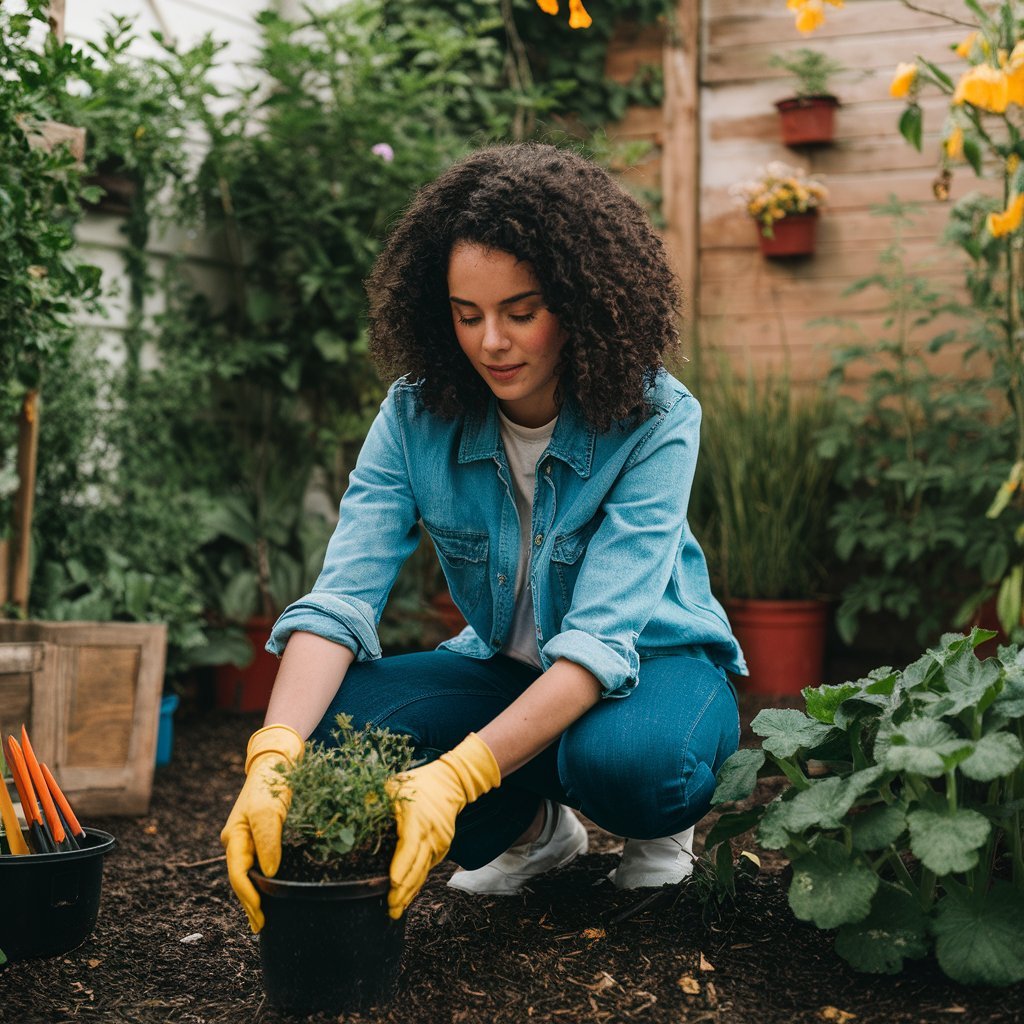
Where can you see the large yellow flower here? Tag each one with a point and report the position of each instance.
(1000, 224)
(906, 75)
(985, 87)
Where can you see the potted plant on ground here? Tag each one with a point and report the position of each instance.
(760, 510)
(808, 117)
(328, 943)
(784, 203)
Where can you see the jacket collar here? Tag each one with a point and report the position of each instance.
(572, 441)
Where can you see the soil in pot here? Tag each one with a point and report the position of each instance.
(329, 945)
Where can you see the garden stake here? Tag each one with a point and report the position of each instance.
(39, 783)
(37, 830)
(67, 816)
(15, 840)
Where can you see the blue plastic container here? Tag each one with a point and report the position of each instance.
(165, 734)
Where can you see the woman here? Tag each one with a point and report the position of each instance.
(537, 438)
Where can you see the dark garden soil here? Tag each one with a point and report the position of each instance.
(172, 945)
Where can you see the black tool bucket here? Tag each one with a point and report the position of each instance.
(50, 900)
(328, 946)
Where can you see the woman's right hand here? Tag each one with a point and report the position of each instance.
(253, 828)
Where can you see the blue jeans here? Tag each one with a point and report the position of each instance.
(642, 766)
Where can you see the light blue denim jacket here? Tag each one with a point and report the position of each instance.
(617, 575)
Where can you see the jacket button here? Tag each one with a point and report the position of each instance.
(502, 579)
(539, 539)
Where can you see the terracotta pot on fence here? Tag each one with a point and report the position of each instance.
(794, 235)
(248, 688)
(807, 120)
(783, 641)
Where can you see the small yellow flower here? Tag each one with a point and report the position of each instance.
(370, 799)
(578, 17)
(966, 45)
(905, 77)
(810, 14)
(1012, 163)
(954, 144)
(985, 87)
(1000, 224)
(548, 6)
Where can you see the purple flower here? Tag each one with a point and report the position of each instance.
(384, 151)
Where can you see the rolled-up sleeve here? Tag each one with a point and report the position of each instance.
(631, 556)
(377, 530)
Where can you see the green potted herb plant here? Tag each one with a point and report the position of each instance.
(760, 510)
(808, 117)
(912, 840)
(328, 942)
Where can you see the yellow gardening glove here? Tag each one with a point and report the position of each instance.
(254, 825)
(427, 801)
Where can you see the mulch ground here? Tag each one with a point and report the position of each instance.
(172, 945)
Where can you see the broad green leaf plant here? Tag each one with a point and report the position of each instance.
(903, 821)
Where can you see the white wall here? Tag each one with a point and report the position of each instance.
(185, 22)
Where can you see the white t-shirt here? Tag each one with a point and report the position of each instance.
(523, 447)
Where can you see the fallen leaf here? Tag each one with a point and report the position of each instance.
(604, 981)
(689, 984)
(94, 962)
(705, 964)
(833, 1013)
(194, 937)
(711, 995)
(742, 945)
(753, 857)
(594, 933)
(150, 830)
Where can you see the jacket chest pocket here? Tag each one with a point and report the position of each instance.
(567, 559)
(463, 557)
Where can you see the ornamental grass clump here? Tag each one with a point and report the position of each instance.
(779, 191)
(341, 821)
(912, 839)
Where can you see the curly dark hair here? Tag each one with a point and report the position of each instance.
(602, 269)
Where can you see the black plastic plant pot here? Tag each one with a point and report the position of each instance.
(50, 901)
(328, 946)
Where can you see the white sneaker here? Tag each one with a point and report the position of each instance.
(562, 839)
(654, 862)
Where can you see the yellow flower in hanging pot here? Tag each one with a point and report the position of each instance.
(985, 87)
(903, 80)
(1000, 224)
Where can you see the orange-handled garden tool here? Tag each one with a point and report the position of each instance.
(67, 816)
(60, 838)
(36, 826)
(15, 840)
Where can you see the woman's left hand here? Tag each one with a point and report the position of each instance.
(427, 801)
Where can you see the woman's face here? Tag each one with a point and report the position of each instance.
(512, 339)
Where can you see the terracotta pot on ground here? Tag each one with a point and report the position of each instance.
(783, 641)
(248, 688)
(807, 120)
(794, 235)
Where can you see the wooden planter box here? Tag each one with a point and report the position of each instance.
(89, 694)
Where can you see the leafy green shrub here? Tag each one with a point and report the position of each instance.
(913, 837)
(919, 454)
(341, 822)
